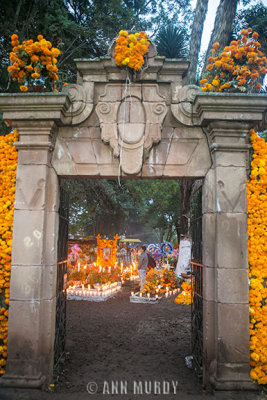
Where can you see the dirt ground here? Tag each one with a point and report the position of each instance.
(130, 345)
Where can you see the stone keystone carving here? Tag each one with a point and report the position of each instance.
(182, 104)
(131, 120)
(81, 98)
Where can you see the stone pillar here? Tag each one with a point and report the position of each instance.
(31, 324)
(226, 314)
(226, 119)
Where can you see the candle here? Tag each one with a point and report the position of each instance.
(132, 293)
(79, 265)
(148, 295)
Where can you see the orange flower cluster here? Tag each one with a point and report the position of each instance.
(31, 61)
(160, 281)
(257, 252)
(130, 49)
(8, 168)
(240, 66)
(185, 297)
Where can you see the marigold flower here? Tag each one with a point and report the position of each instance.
(23, 88)
(255, 35)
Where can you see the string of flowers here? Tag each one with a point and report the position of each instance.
(33, 62)
(8, 169)
(130, 49)
(257, 253)
(240, 66)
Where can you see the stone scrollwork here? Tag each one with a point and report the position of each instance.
(131, 122)
(81, 98)
(182, 107)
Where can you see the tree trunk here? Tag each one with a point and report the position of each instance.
(186, 191)
(223, 26)
(195, 42)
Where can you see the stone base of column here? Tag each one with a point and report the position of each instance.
(36, 382)
(234, 385)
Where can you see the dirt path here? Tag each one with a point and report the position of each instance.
(121, 341)
(117, 341)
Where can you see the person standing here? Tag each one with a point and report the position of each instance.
(142, 267)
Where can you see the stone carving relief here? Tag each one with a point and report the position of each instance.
(81, 102)
(131, 120)
(182, 104)
(32, 198)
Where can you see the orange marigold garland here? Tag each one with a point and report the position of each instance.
(240, 66)
(257, 253)
(33, 62)
(8, 169)
(130, 49)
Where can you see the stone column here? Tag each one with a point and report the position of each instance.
(225, 256)
(31, 325)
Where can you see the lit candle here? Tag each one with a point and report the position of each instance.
(79, 265)
(148, 295)
(132, 293)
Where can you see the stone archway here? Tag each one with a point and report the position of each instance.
(174, 131)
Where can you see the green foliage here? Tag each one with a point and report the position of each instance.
(79, 28)
(147, 209)
(172, 42)
(254, 17)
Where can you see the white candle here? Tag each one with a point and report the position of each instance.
(79, 265)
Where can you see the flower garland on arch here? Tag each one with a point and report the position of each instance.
(130, 49)
(33, 62)
(239, 67)
(257, 253)
(8, 170)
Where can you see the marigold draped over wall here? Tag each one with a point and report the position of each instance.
(8, 170)
(257, 253)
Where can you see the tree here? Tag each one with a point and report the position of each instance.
(223, 25)
(254, 17)
(195, 41)
(80, 28)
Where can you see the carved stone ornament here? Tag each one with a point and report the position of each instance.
(182, 104)
(131, 119)
(81, 98)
